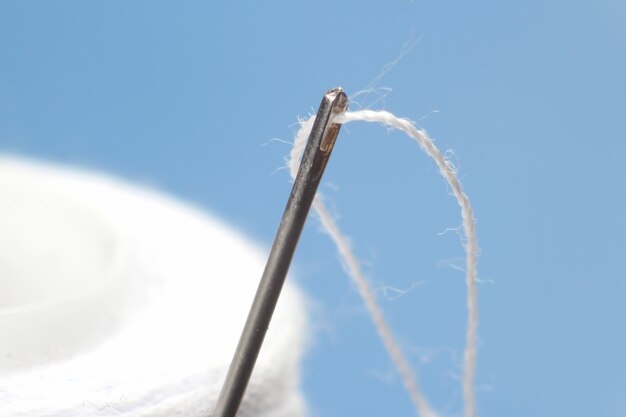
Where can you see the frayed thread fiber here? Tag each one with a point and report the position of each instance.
(447, 170)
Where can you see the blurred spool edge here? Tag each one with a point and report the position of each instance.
(62, 271)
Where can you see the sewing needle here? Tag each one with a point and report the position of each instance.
(316, 154)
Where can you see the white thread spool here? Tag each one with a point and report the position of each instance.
(60, 284)
(117, 301)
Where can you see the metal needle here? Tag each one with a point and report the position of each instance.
(314, 160)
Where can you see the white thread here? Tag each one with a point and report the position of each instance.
(448, 172)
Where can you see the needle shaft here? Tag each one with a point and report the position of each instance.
(314, 160)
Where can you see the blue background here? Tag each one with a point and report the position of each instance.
(187, 97)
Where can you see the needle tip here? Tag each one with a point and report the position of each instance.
(338, 98)
(338, 102)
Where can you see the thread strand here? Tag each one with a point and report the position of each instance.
(447, 170)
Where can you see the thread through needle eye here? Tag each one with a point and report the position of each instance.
(316, 154)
